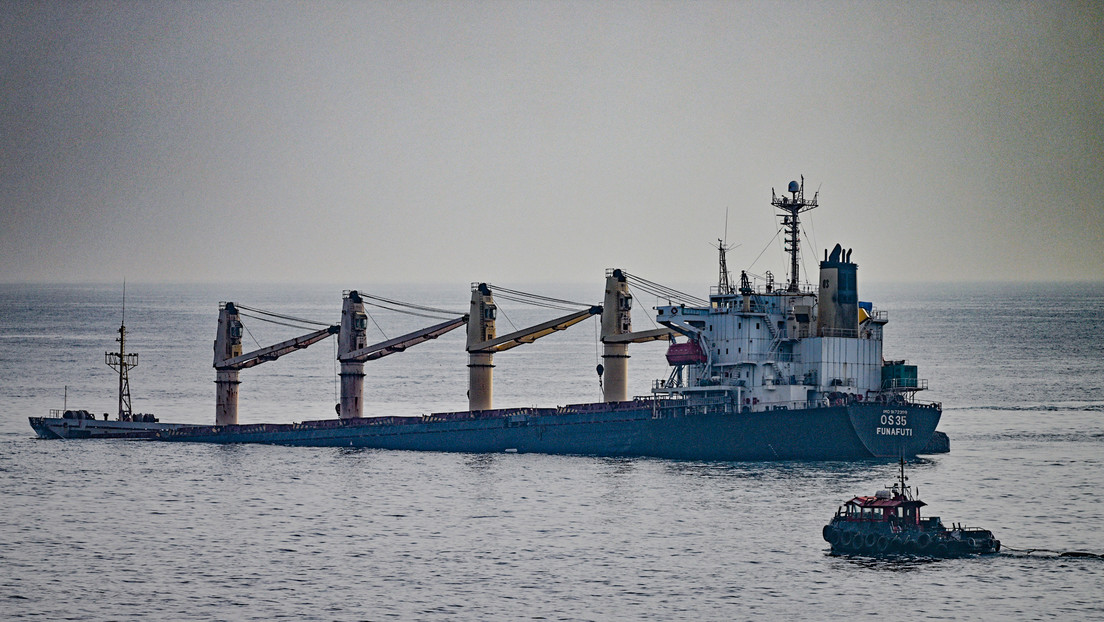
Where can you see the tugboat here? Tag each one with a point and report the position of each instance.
(889, 523)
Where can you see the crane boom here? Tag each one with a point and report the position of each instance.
(686, 330)
(531, 334)
(273, 352)
(398, 344)
(643, 336)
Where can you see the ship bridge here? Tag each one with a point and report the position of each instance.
(788, 346)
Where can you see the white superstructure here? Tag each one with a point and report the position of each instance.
(786, 347)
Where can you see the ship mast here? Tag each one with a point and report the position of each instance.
(792, 206)
(122, 363)
(724, 280)
(905, 492)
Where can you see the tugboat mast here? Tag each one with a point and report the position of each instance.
(122, 362)
(792, 206)
(905, 492)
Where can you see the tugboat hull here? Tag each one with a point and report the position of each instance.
(949, 543)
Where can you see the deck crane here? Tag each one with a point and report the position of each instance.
(353, 353)
(483, 344)
(617, 334)
(229, 360)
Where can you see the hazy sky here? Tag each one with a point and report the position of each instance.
(527, 142)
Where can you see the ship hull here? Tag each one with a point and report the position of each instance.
(60, 428)
(636, 428)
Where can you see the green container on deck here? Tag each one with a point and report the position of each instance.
(897, 374)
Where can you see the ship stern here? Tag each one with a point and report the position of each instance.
(895, 430)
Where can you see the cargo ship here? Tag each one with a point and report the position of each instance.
(759, 371)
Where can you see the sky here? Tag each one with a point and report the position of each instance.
(537, 142)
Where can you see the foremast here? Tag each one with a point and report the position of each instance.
(122, 363)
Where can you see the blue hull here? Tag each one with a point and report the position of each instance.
(639, 428)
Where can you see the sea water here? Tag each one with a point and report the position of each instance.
(105, 530)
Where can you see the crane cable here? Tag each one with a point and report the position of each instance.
(503, 312)
(376, 323)
(264, 319)
(535, 299)
(598, 361)
(663, 291)
(251, 335)
(528, 301)
(408, 305)
(290, 318)
(648, 315)
(408, 312)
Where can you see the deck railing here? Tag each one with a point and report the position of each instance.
(905, 384)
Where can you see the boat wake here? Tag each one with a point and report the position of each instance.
(1056, 407)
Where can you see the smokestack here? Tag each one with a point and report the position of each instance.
(838, 299)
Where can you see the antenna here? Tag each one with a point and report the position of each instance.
(726, 227)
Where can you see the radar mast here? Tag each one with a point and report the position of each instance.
(724, 280)
(122, 363)
(792, 206)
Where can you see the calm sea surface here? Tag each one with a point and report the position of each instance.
(98, 530)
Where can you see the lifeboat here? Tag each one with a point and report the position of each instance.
(687, 353)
